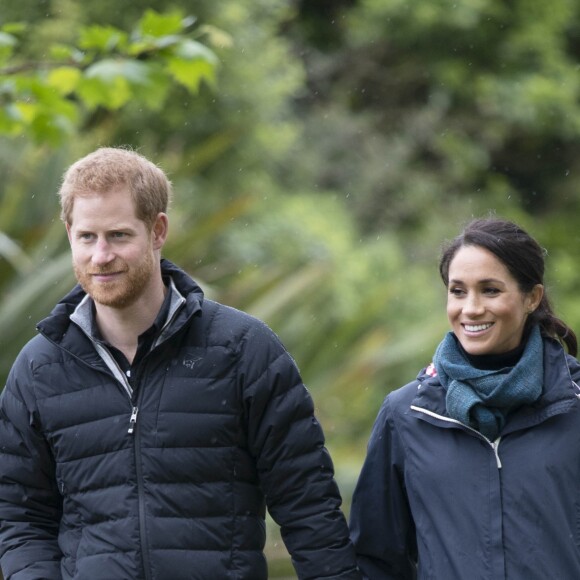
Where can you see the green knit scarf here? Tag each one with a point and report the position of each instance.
(482, 399)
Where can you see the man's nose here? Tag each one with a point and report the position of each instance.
(102, 252)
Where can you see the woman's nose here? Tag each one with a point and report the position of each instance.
(473, 305)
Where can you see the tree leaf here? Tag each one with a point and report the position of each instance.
(155, 24)
(102, 38)
(190, 73)
(110, 92)
(107, 70)
(64, 79)
(193, 50)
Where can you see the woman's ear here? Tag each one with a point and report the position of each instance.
(535, 297)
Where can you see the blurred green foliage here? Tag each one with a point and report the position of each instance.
(320, 152)
(106, 67)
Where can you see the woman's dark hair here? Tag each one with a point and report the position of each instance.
(523, 257)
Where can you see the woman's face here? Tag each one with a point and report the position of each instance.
(486, 309)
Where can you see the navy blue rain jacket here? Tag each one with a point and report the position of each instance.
(438, 501)
(166, 477)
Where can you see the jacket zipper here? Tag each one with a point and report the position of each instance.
(493, 444)
(122, 378)
(135, 432)
(133, 420)
(114, 367)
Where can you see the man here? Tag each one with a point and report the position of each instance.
(144, 430)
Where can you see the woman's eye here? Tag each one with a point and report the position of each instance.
(455, 291)
(492, 291)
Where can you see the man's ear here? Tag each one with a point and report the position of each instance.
(68, 232)
(160, 231)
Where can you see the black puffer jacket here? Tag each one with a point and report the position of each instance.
(223, 427)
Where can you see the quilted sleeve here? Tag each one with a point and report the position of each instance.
(30, 505)
(295, 469)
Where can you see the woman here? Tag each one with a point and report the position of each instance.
(473, 469)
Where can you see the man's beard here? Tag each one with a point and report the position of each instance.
(117, 293)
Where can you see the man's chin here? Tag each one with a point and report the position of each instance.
(116, 304)
(111, 299)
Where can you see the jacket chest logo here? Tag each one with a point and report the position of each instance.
(190, 361)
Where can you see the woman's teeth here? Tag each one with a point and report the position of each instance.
(476, 327)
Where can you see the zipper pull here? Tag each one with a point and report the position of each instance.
(495, 447)
(133, 420)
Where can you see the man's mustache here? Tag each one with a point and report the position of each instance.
(110, 269)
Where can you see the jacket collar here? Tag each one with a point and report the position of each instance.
(187, 300)
(559, 395)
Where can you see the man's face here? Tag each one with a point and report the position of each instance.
(112, 250)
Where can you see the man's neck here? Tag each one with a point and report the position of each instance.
(121, 327)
